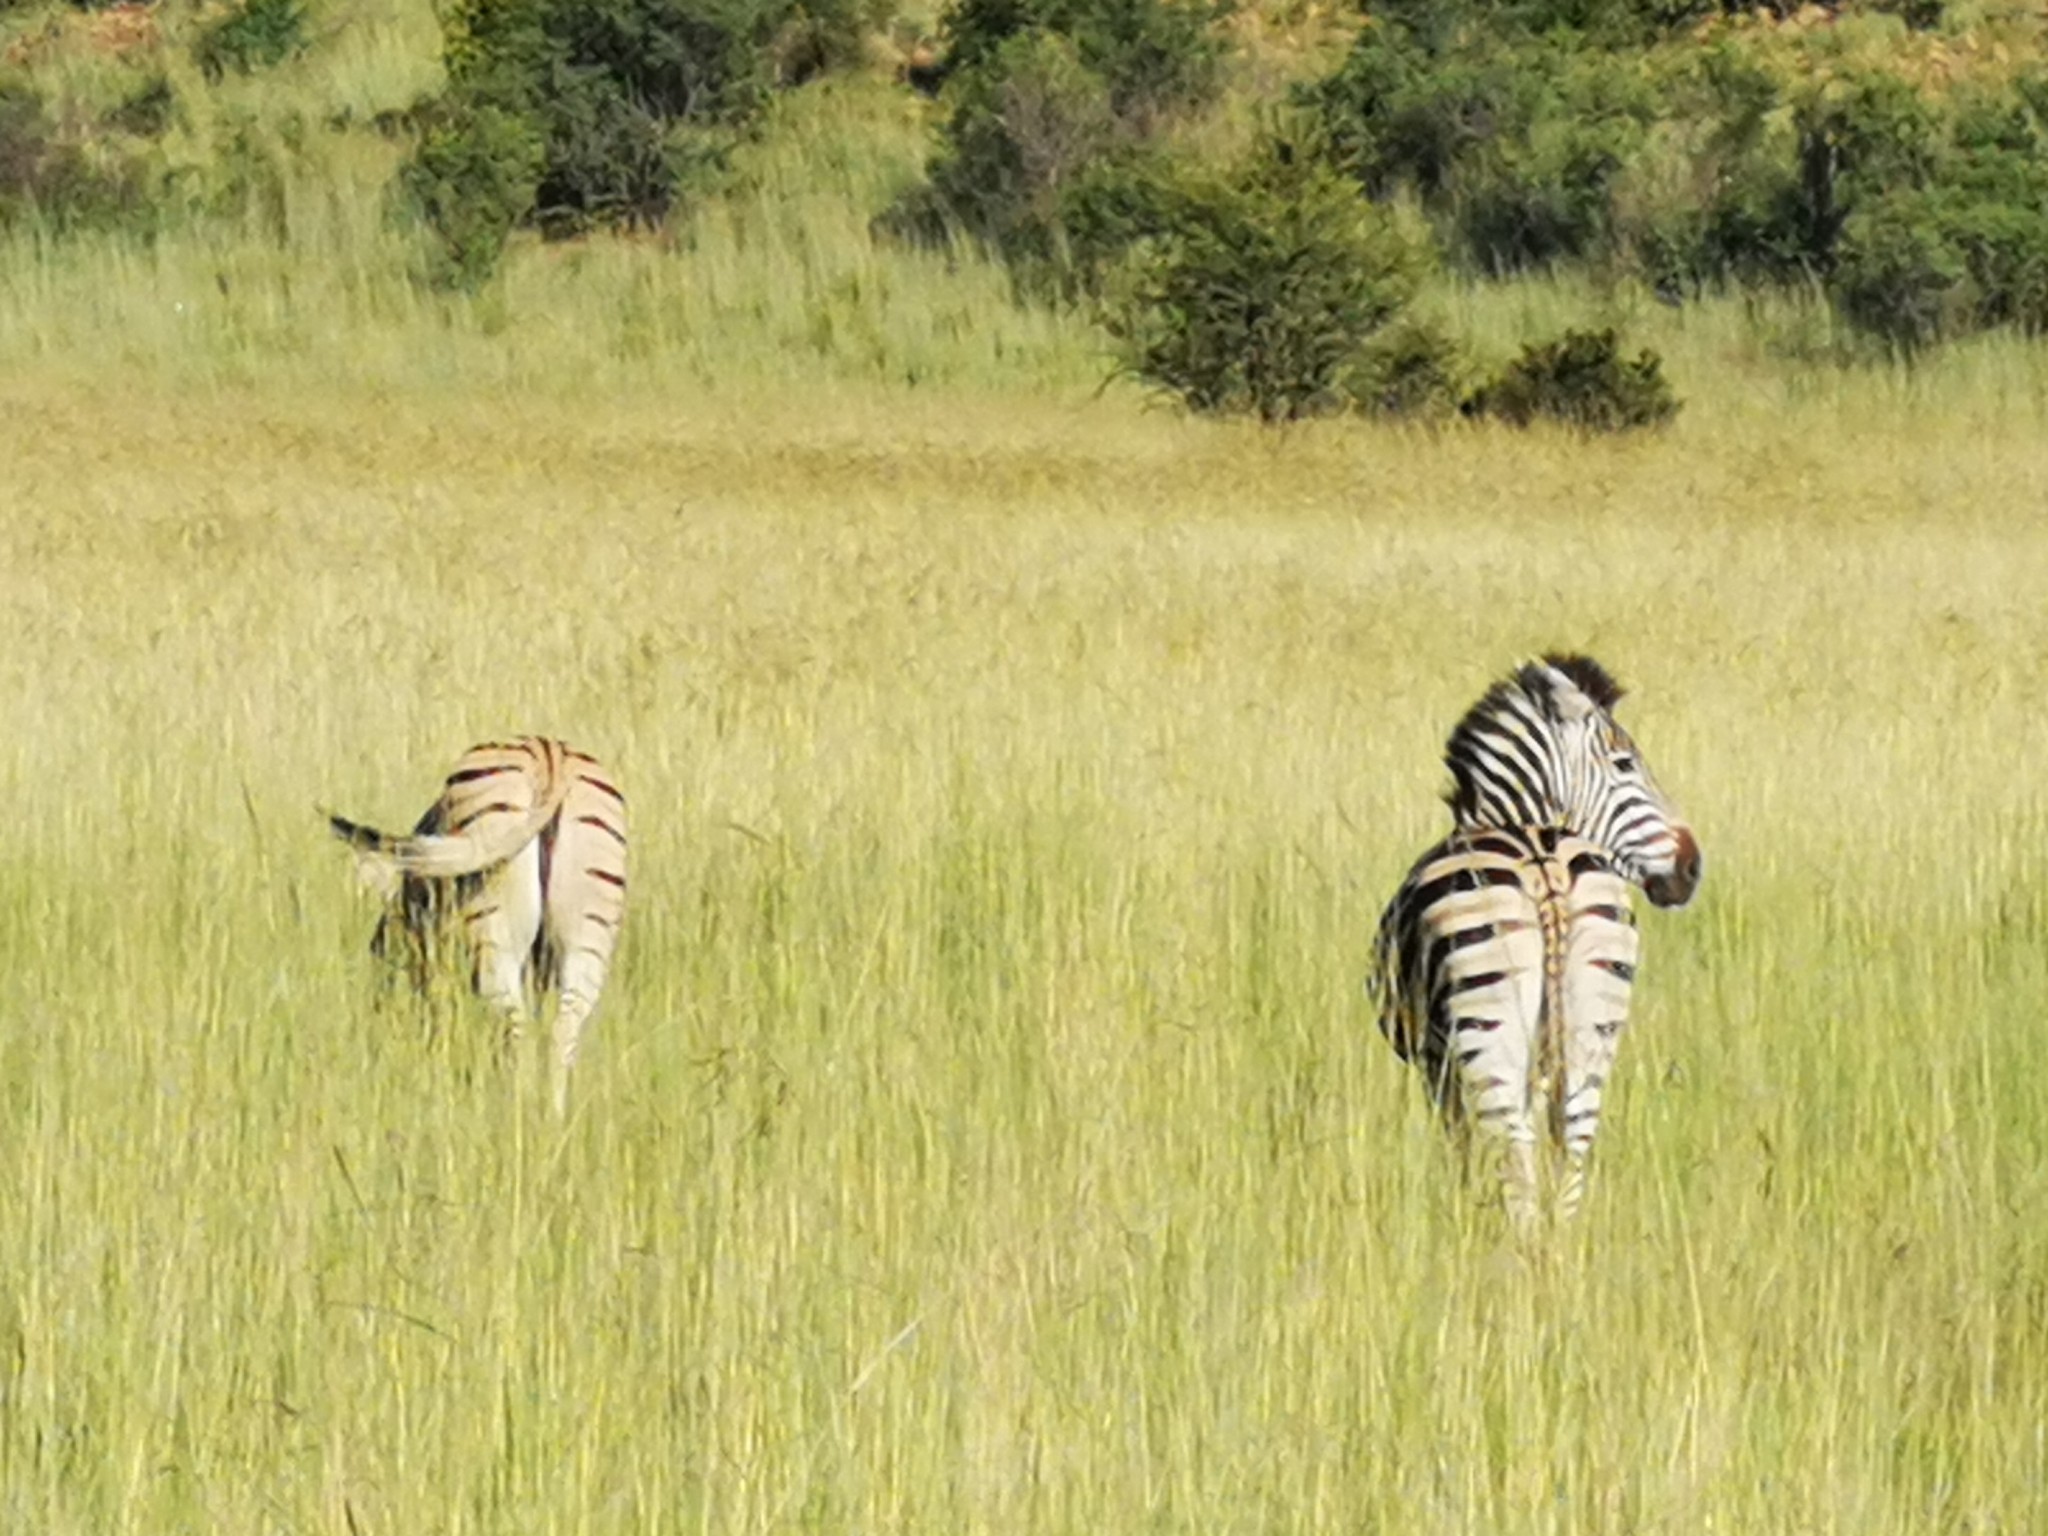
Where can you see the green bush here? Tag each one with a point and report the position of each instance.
(1920, 15)
(472, 179)
(1023, 127)
(246, 178)
(1939, 214)
(252, 35)
(1407, 369)
(819, 36)
(606, 156)
(1715, 194)
(1113, 203)
(1407, 107)
(1900, 276)
(2005, 246)
(147, 112)
(573, 114)
(1920, 266)
(1053, 109)
(1581, 380)
(1153, 56)
(1545, 200)
(1533, 133)
(1512, 142)
(1265, 295)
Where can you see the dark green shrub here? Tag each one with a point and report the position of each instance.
(1900, 276)
(1512, 142)
(1581, 380)
(1051, 106)
(606, 159)
(1406, 107)
(1921, 266)
(24, 139)
(1111, 204)
(1036, 165)
(1408, 369)
(1771, 188)
(819, 36)
(1714, 196)
(472, 180)
(1264, 295)
(253, 35)
(1940, 216)
(1548, 198)
(2005, 247)
(1023, 127)
(1153, 56)
(572, 114)
(1920, 15)
(1861, 135)
(148, 110)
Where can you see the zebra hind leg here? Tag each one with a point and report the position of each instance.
(1522, 1185)
(582, 977)
(503, 916)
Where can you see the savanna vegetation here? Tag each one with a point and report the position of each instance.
(984, 1129)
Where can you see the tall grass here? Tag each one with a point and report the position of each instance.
(769, 281)
(984, 1130)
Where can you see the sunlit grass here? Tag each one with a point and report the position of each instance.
(984, 1130)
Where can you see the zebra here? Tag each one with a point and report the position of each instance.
(521, 863)
(1504, 963)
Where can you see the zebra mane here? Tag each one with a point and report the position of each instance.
(1587, 675)
(1525, 694)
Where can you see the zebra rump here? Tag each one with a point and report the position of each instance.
(519, 868)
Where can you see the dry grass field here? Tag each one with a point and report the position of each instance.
(984, 1130)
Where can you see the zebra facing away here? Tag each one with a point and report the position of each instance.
(1505, 961)
(519, 868)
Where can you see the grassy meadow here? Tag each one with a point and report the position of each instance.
(984, 1130)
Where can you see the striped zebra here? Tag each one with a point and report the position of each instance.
(520, 869)
(1505, 961)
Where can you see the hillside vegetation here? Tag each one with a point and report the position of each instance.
(1167, 192)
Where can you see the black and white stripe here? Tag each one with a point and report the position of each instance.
(1506, 959)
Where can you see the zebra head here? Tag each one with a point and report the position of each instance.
(1543, 749)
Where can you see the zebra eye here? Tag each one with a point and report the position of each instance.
(1624, 762)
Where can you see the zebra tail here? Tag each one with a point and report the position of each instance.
(434, 856)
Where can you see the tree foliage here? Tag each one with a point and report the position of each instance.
(1264, 296)
(573, 114)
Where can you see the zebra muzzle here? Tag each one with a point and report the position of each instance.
(1674, 887)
